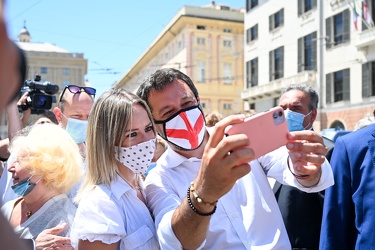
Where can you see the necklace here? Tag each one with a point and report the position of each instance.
(136, 187)
(29, 211)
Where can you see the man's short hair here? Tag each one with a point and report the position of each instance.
(314, 98)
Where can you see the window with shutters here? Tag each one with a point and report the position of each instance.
(201, 71)
(201, 41)
(227, 106)
(276, 63)
(307, 52)
(338, 86)
(338, 29)
(368, 79)
(276, 20)
(251, 4)
(252, 34)
(371, 12)
(227, 73)
(305, 6)
(227, 43)
(66, 71)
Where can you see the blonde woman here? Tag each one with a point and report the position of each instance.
(47, 165)
(112, 213)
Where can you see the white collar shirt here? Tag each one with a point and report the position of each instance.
(247, 217)
(112, 214)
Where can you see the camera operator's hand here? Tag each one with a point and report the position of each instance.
(26, 111)
(22, 101)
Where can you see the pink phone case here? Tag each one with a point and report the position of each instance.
(267, 131)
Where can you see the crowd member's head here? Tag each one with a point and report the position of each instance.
(73, 110)
(178, 117)
(46, 156)
(213, 118)
(47, 117)
(118, 121)
(300, 102)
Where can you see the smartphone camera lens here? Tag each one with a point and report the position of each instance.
(280, 113)
(275, 115)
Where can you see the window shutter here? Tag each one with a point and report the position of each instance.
(329, 37)
(270, 18)
(366, 79)
(300, 54)
(314, 51)
(346, 85)
(346, 25)
(313, 4)
(255, 83)
(248, 36)
(247, 5)
(329, 81)
(281, 17)
(282, 61)
(248, 75)
(300, 6)
(271, 65)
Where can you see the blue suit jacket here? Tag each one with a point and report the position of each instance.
(349, 205)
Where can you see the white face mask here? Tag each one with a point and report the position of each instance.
(137, 157)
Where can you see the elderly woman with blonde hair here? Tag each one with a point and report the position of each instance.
(47, 165)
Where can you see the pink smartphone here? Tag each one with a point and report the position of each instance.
(267, 131)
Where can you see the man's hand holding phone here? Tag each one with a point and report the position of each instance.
(266, 131)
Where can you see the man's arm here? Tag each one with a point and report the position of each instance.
(338, 215)
(218, 172)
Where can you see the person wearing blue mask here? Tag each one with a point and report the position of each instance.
(72, 112)
(300, 102)
(47, 165)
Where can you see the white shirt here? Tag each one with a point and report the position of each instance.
(112, 214)
(247, 217)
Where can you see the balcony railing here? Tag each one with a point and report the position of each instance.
(274, 87)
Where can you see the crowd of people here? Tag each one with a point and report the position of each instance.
(77, 179)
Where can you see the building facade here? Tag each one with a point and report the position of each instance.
(53, 64)
(206, 43)
(316, 42)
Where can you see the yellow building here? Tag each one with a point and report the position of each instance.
(206, 43)
(53, 64)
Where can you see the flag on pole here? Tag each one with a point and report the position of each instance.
(367, 15)
(355, 16)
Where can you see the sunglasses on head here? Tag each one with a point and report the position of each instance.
(77, 89)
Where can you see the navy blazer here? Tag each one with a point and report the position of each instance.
(349, 205)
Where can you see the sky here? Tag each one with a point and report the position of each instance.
(111, 34)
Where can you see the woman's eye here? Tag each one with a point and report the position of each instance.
(133, 134)
(149, 128)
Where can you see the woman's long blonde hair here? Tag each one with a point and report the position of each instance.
(107, 123)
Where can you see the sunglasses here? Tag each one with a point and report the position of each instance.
(77, 89)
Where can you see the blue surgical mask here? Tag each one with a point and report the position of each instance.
(77, 129)
(295, 120)
(24, 187)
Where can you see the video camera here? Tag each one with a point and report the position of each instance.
(41, 95)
